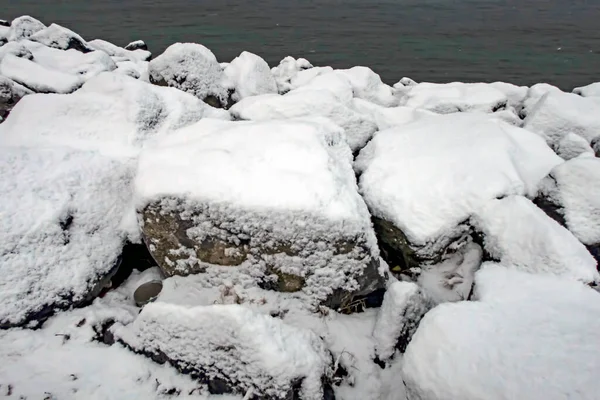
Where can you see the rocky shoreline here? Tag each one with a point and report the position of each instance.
(311, 233)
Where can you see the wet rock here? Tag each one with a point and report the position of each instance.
(136, 45)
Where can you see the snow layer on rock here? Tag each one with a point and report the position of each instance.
(136, 45)
(61, 38)
(515, 94)
(591, 90)
(23, 27)
(229, 342)
(16, 49)
(404, 304)
(429, 176)
(250, 75)
(37, 77)
(404, 82)
(529, 337)
(575, 185)
(119, 52)
(367, 85)
(287, 70)
(307, 103)
(11, 91)
(535, 93)
(573, 145)
(557, 114)
(335, 83)
(112, 113)
(388, 117)
(192, 68)
(446, 98)
(519, 234)
(60, 230)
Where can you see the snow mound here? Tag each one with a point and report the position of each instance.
(234, 346)
(192, 68)
(337, 84)
(280, 195)
(61, 38)
(591, 90)
(428, 177)
(111, 113)
(574, 187)
(572, 145)
(250, 75)
(557, 114)
(287, 71)
(36, 77)
(367, 85)
(60, 235)
(515, 95)
(519, 234)
(520, 341)
(23, 27)
(405, 82)
(388, 117)
(535, 93)
(16, 49)
(307, 103)
(119, 53)
(404, 304)
(446, 98)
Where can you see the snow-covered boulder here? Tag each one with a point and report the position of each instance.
(61, 231)
(192, 68)
(514, 94)
(388, 117)
(367, 85)
(534, 94)
(16, 49)
(557, 114)
(136, 45)
(119, 53)
(36, 77)
(446, 98)
(405, 82)
(337, 84)
(111, 113)
(591, 90)
(358, 128)
(278, 197)
(572, 145)
(232, 349)
(10, 93)
(249, 75)
(528, 337)
(423, 181)
(404, 304)
(287, 71)
(61, 38)
(23, 27)
(519, 234)
(571, 195)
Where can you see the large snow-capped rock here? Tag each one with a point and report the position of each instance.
(60, 38)
(367, 85)
(232, 349)
(112, 113)
(571, 195)
(37, 77)
(557, 114)
(534, 94)
(249, 75)
(515, 95)
(23, 27)
(17, 49)
(358, 128)
(528, 337)
(519, 234)
(10, 93)
(119, 53)
(591, 90)
(278, 197)
(404, 304)
(192, 68)
(60, 228)
(423, 181)
(388, 117)
(287, 72)
(446, 98)
(337, 84)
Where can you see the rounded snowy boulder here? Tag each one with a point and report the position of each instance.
(277, 197)
(60, 38)
(23, 27)
(192, 68)
(249, 75)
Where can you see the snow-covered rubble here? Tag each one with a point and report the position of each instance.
(308, 232)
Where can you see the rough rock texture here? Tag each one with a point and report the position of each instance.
(60, 38)
(232, 349)
(571, 196)
(287, 208)
(10, 93)
(596, 146)
(192, 68)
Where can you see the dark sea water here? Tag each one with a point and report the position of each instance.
(524, 42)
